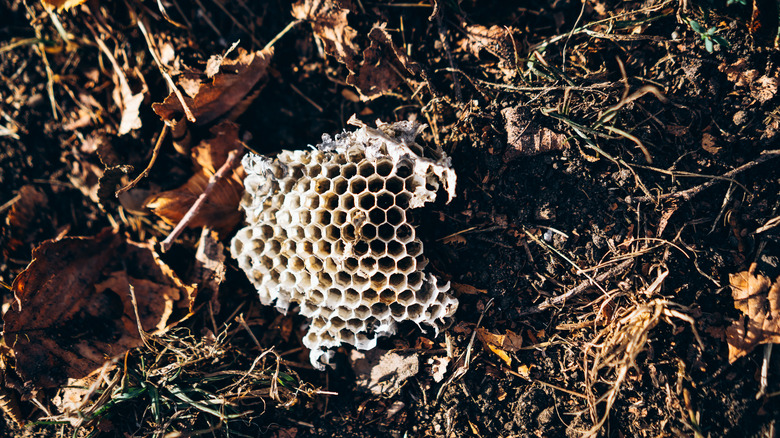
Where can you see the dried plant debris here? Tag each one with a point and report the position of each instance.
(218, 96)
(220, 210)
(83, 300)
(375, 64)
(758, 298)
(382, 372)
(328, 229)
(525, 137)
(22, 218)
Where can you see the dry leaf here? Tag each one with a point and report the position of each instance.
(526, 137)
(764, 89)
(233, 83)
(73, 308)
(467, 289)
(375, 70)
(220, 210)
(209, 270)
(759, 301)
(382, 371)
(501, 344)
(709, 143)
(22, 216)
(61, 5)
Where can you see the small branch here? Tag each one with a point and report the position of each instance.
(233, 160)
(693, 191)
(155, 153)
(550, 302)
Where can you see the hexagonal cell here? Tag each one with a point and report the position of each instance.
(397, 310)
(349, 170)
(332, 233)
(338, 247)
(394, 185)
(347, 201)
(366, 168)
(366, 201)
(361, 248)
(380, 310)
(378, 248)
(333, 296)
(339, 217)
(287, 279)
(354, 155)
(332, 170)
(406, 297)
(285, 185)
(321, 217)
(348, 232)
(384, 167)
(404, 168)
(340, 185)
(376, 216)
(311, 201)
(385, 200)
(322, 186)
(362, 312)
(369, 295)
(316, 297)
(313, 231)
(351, 298)
(355, 324)
(337, 323)
(266, 232)
(344, 313)
(292, 201)
(386, 232)
(404, 233)
(346, 336)
(395, 249)
(314, 170)
(296, 233)
(274, 247)
(325, 279)
(433, 312)
(412, 183)
(375, 183)
(415, 311)
(343, 279)
(351, 265)
(283, 218)
(397, 281)
(415, 282)
(295, 170)
(378, 280)
(331, 201)
(386, 264)
(406, 264)
(368, 231)
(314, 264)
(414, 248)
(322, 248)
(357, 185)
(303, 217)
(368, 264)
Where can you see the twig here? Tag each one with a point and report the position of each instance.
(233, 159)
(155, 153)
(685, 195)
(550, 302)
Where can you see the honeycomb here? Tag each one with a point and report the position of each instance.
(328, 229)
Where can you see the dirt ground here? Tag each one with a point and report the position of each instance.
(618, 181)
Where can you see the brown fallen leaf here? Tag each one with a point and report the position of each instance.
(220, 210)
(75, 306)
(501, 344)
(525, 137)
(212, 99)
(499, 41)
(467, 289)
(61, 5)
(374, 62)
(24, 212)
(759, 301)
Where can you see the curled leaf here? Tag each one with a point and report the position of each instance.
(758, 298)
(81, 302)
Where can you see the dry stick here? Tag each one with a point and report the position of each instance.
(155, 153)
(233, 159)
(693, 191)
(550, 302)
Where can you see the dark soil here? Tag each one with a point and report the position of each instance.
(523, 227)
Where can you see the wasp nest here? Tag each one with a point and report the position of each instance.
(328, 229)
